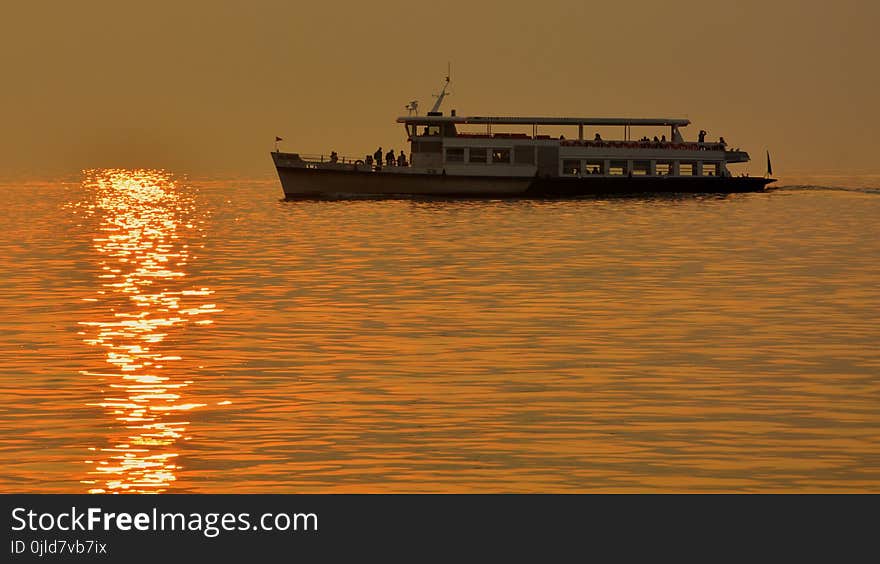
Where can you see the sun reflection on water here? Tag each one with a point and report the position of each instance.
(143, 299)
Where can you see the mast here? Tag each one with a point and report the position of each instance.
(443, 92)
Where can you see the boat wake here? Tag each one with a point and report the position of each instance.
(816, 187)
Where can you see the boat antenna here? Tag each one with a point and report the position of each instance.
(443, 92)
(413, 107)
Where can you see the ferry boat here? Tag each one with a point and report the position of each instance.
(446, 161)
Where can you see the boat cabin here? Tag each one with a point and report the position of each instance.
(437, 143)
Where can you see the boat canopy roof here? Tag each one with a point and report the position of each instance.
(501, 120)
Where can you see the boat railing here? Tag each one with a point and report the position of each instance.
(616, 144)
(683, 146)
(326, 158)
(494, 135)
(346, 162)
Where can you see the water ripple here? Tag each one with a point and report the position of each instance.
(660, 344)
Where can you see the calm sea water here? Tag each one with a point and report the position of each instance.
(160, 334)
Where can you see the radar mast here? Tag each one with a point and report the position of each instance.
(443, 92)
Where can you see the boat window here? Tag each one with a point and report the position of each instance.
(427, 147)
(663, 168)
(641, 168)
(571, 167)
(431, 130)
(686, 169)
(501, 155)
(524, 154)
(710, 169)
(617, 168)
(593, 167)
(455, 155)
(477, 155)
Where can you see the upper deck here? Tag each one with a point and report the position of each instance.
(564, 121)
(436, 133)
(435, 124)
(444, 142)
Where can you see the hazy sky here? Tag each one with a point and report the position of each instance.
(203, 87)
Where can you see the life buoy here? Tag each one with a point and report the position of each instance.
(359, 162)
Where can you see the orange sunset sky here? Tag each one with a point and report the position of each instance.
(203, 87)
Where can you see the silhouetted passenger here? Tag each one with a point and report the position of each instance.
(389, 158)
(702, 136)
(401, 159)
(722, 141)
(597, 137)
(663, 139)
(334, 157)
(377, 156)
(656, 140)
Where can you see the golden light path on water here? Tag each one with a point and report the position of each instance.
(142, 260)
